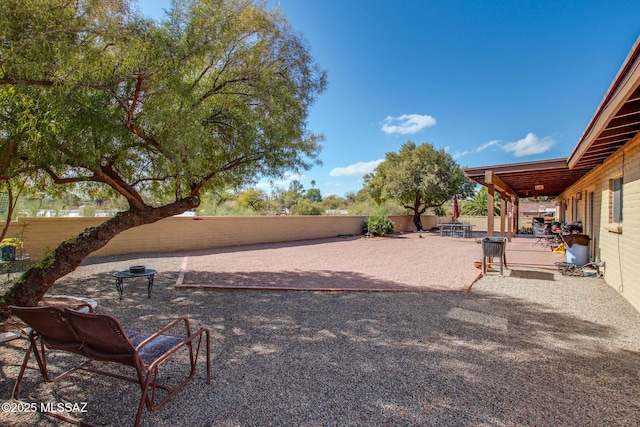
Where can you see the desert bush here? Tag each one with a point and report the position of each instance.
(378, 225)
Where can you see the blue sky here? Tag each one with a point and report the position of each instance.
(491, 82)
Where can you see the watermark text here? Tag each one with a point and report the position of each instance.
(74, 407)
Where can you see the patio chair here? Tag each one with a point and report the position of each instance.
(99, 337)
(543, 235)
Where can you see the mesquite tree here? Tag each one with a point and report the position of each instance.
(94, 95)
(419, 177)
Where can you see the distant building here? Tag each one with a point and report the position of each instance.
(537, 209)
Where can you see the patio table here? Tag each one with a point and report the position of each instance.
(126, 274)
(455, 229)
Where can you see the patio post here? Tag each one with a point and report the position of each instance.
(490, 203)
(509, 219)
(503, 212)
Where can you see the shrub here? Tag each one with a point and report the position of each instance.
(525, 230)
(306, 207)
(378, 225)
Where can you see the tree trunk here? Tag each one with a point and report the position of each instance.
(10, 208)
(416, 219)
(37, 280)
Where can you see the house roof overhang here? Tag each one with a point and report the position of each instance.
(617, 119)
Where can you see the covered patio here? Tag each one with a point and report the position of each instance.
(546, 178)
(524, 252)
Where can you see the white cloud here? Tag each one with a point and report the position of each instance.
(487, 145)
(526, 146)
(478, 149)
(356, 169)
(529, 145)
(407, 124)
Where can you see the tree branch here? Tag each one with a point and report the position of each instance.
(60, 180)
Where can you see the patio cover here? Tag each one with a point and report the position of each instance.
(540, 178)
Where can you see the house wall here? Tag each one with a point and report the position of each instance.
(618, 245)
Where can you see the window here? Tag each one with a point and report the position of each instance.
(617, 200)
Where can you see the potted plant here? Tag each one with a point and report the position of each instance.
(10, 247)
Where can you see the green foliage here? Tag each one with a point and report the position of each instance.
(525, 230)
(418, 177)
(378, 225)
(439, 211)
(98, 97)
(333, 202)
(313, 194)
(478, 204)
(307, 207)
(215, 96)
(47, 260)
(253, 199)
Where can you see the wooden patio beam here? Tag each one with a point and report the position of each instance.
(491, 178)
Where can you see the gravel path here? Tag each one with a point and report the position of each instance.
(530, 348)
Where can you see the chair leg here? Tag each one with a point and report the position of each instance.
(40, 359)
(23, 368)
(209, 355)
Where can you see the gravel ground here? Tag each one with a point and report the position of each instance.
(530, 348)
(397, 263)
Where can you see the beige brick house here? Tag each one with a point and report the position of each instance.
(599, 184)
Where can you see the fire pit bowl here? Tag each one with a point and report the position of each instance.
(137, 269)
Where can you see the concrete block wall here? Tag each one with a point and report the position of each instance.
(188, 233)
(184, 233)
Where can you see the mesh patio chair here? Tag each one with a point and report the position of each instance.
(100, 337)
(543, 234)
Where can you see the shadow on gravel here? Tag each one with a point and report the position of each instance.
(297, 280)
(533, 275)
(294, 358)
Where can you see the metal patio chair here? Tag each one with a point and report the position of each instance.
(100, 337)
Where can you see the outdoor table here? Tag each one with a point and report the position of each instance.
(455, 229)
(126, 274)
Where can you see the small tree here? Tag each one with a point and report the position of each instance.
(253, 199)
(313, 194)
(12, 189)
(306, 207)
(419, 177)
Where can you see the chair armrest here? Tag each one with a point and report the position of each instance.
(85, 304)
(169, 326)
(186, 341)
